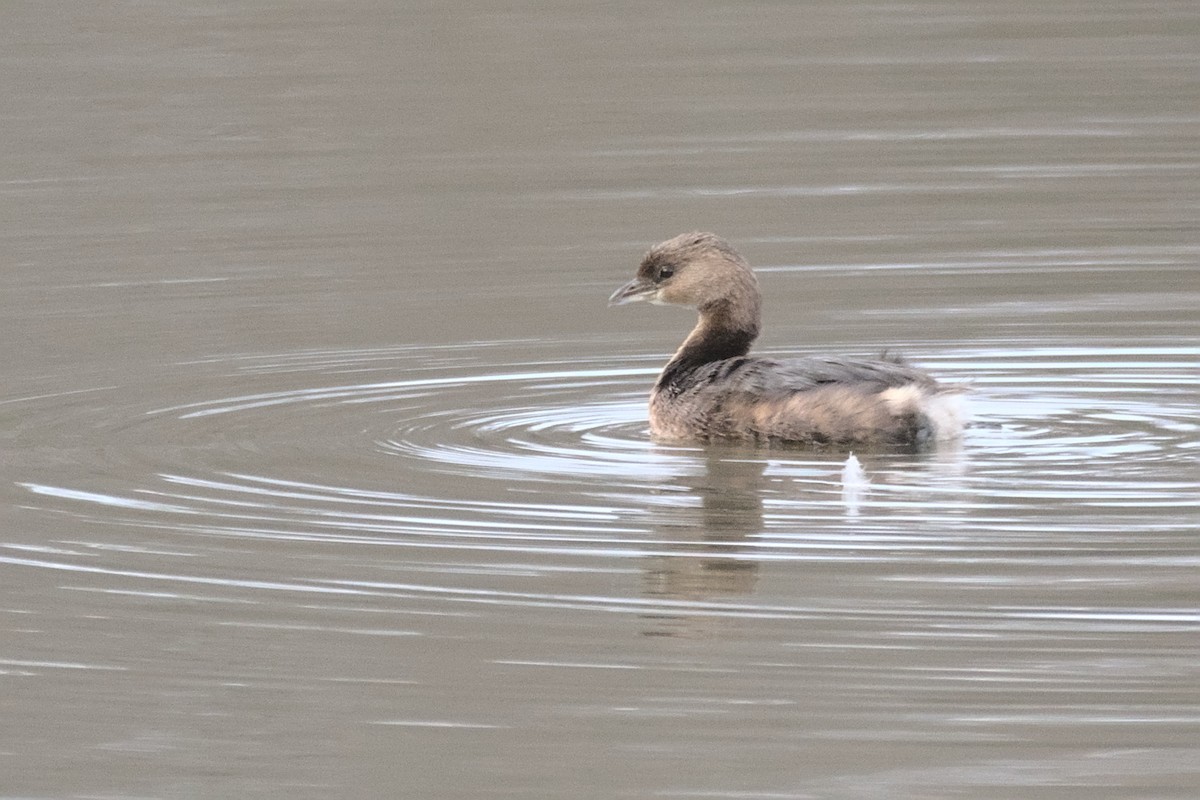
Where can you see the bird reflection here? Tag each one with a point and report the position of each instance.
(709, 559)
(709, 551)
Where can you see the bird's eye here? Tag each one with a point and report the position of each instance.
(665, 273)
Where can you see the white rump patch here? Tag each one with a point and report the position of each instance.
(946, 411)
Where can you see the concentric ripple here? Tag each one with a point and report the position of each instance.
(459, 451)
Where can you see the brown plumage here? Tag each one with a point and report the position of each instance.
(710, 389)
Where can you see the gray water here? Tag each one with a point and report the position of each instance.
(324, 470)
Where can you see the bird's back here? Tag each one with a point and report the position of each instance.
(813, 400)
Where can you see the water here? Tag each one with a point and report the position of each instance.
(324, 469)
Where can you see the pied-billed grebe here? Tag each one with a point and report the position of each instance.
(711, 389)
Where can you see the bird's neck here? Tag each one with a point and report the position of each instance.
(724, 331)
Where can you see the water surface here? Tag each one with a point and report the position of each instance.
(324, 470)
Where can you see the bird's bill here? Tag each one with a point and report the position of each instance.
(637, 289)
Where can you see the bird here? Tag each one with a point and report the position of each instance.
(713, 390)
